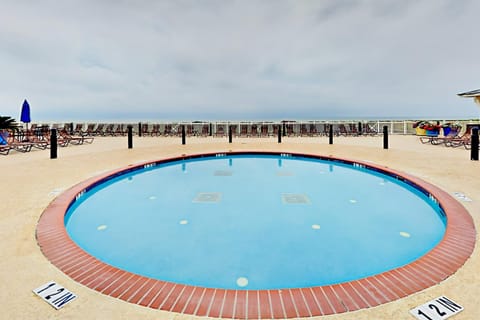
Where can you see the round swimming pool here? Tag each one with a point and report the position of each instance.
(256, 234)
(255, 222)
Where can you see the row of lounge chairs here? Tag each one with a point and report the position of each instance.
(302, 130)
(169, 130)
(219, 129)
(245, 130)
(452, 140)
(100, 129)
(353, 130)
(112, 129)
(25, 141)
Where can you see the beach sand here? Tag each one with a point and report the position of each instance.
(31, 181)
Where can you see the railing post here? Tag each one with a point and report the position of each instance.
(183, 134)
(359, 128)
(385, 137)
(474, 149)
(229, 134)
(130, 136)
(53, 144)
(330, 133)
(279, 134)
(210, 131)
(139, 129)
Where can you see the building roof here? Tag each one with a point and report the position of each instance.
(470, 94)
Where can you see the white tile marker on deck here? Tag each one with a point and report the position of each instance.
(56, 295)
(460, 196)
(437, 309)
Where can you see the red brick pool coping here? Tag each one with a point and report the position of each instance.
(432, 268)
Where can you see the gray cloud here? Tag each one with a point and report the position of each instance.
(238, 59)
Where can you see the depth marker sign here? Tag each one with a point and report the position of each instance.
(56, 295)
(437, 309)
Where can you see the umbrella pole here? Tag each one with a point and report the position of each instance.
(25, 136)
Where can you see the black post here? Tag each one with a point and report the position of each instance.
(130, 137)
(229, 134)
(330, 134)
(284, 131)
(183, 134)
(139, 129)
(71, 127)
(210, 133)
(385, 137)
(359, 128)
(474, 150)
(53, 144)
(279, 134)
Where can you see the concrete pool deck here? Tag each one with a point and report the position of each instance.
(31, 181)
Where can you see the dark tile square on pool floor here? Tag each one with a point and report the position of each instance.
(212, 197)
(294, 198)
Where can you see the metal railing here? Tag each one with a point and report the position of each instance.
(247, 128)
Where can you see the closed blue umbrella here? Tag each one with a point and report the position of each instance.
(25, 116)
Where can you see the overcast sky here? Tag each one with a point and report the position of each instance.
(252, 60)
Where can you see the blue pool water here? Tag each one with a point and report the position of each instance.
(255, 222)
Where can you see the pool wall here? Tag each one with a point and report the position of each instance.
(432, 268)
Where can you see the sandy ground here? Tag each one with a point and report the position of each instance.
(30, 181)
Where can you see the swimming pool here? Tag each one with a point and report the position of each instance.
(230, 221)
(290, 219)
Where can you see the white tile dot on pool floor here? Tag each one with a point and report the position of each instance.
(405, 234)
(183, 222)
(101, 227)
(353, 201)
(315, 226)
(152, 198)
(242, 282)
